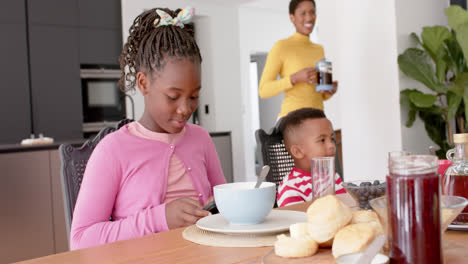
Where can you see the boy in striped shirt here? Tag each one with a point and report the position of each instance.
(307, 134)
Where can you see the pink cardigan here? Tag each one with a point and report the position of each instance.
(126, 178)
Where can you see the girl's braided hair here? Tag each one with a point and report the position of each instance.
(147, 46)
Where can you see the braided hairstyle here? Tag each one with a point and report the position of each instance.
(294, 3)
(148, 46)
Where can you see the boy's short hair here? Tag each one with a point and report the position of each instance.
(293, 119)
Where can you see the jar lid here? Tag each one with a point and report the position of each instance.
(460, 138)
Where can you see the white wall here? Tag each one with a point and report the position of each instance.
(259, 29)
(360, 38)
(217, 31)
(409, 20)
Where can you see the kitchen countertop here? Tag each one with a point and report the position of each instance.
(11, 148)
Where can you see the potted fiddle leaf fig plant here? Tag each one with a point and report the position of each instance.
(440, 63)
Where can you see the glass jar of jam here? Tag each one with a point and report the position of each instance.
(455, 181)
(413, 209)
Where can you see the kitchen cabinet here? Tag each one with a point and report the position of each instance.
(100, 31)
(27, 226)
(53, 12)
(223, 145)
(45, 43)
(55, 81)
(33, 218)
(100, 46)
(14, 101)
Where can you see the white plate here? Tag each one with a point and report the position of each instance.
(458, 227)
(277, 221)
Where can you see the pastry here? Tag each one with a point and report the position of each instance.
(326, 216)
(299, 230)
(353, 238)
(290, 247)
(363, 216)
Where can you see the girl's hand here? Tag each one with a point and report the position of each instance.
(209, 201)
(184, 212)
(332, 92)
(307, 75)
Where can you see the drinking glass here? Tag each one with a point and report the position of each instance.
(323, 177)
(413, 209)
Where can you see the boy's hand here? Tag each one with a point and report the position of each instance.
(184, 212)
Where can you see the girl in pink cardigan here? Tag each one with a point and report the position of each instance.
(156, 173)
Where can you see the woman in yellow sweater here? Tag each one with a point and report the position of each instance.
(294, 59)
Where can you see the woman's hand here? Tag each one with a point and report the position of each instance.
(184, 212)
(307, 75)
(331, 92)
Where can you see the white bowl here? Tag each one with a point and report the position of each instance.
(241, 204)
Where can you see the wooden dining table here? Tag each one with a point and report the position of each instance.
(171, 247)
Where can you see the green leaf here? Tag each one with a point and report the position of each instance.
(411, 117)
(415, 63)
(404, 98)
(441, 69)
(435, 127)
(454, 56)
(422, 100)
(458, 21)
(433, 38)
(462, 38)
(416, 38)
(456, 15)
(453, 102)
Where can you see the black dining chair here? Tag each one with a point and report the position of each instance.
(74, 160)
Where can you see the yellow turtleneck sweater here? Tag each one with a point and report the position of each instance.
(287, 57)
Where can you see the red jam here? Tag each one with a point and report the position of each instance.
(458, 185)
(414, 218)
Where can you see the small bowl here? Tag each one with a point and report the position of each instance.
(242, 204)
(364, 191)
(352, 258)
(451, 206)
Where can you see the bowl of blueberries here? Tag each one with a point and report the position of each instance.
(364, 191)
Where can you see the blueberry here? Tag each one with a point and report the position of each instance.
(362, 184)
(352, 184)
(376, 182)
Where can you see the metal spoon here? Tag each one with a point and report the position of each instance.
(262, 176)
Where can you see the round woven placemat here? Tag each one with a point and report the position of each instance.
(207, 238)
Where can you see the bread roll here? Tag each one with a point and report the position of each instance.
(326, 216)
(363, 216)
(299, 230)
(289, 247)
(353, 238)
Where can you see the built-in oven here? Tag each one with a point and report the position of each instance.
(103, 101)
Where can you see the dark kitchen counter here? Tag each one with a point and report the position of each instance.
(11, 148)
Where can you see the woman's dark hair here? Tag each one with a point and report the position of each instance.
(294, 3)
(148, 46)
(295, 118)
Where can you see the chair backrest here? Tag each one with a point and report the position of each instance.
(272, 152)
(74, 162)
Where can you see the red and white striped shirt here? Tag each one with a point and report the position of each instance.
(297, 188)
